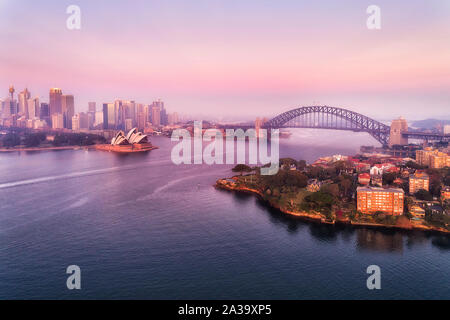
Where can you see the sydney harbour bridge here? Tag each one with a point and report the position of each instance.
(326, 117)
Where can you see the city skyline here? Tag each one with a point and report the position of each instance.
(226, 58)
(18, 109)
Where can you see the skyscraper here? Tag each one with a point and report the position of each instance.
(44, 113)
(141, 121)
(55, 101)
(23, 100)
(156, 116)
(32, 108)
(80, 121)
(91, 114)
(68, 109)
(109, 114)
(75, 123)
(10, 107)
(91, 107)
(128, 124)
(98, 118)
(163, 115)
(160, 113)
(172, 118)
(132, 114)
(57, 121)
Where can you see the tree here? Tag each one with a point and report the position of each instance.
(332, 189)
(316, 172)
(296, 179)
(423, 195)
(414, 165)
(437, 219)
(320, 201)
(241, 168)
(287, 162)
(11, 140)
(301, 165)
(435, 181)
(339, 166)
(389, 177)
(32, 140)
(345, 184)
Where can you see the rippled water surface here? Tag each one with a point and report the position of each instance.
(140, 227)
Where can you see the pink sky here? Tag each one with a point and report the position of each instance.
(225, 58)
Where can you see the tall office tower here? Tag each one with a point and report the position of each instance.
(98, 118)
(55, 101)
(141, 114)
(23, 99)
(84, 120)
(163, 115)
(32, 108)
(172, 118)
(162, 112)
(119, 113)
(92, 107)
(156, 116)
(10, 107)
(109, 116)
(57, 121)
(80, 121)
(131, 111)
(139, 108)
(76, 123)
(128, 124)
(91, 114)
(148, 112)
(141, 121)
(67, 109)
(44, 113)
(398, 126)
(90, 119)
(124, 110)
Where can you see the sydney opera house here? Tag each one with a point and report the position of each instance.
(134, 141)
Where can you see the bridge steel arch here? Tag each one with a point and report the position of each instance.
(359, 122)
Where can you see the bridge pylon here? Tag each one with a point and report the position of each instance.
(398, 127)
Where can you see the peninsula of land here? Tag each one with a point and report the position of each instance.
(327, 192)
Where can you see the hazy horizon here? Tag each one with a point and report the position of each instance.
(229, 59)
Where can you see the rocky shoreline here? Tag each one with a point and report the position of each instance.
(225, 184)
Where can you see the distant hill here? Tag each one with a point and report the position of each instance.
(429, 123)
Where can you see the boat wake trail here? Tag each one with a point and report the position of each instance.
(59, 177)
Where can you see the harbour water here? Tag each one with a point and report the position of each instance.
(139, 226)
